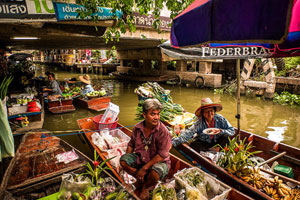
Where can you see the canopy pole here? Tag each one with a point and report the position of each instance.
(238, 94)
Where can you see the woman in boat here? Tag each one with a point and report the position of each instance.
(207, 118)
(53, 87)
(147, 156)
(87, 81)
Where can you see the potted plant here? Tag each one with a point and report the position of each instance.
(235, 157)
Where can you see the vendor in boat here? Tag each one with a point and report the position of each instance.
(87, 81)
(207, 118)
(147, 156)
(53, 87)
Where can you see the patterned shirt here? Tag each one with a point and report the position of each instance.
(160, 143)
(200, 125)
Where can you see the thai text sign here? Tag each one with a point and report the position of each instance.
(65, 12)
(147, 21)
(26, 9)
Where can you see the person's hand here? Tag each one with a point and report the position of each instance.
(141, 174)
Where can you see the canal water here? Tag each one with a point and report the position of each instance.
(262, 117)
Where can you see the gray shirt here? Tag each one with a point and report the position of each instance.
(55, 87)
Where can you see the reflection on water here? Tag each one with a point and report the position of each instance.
(276, 122)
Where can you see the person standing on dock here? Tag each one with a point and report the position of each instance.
(147, 156)
(221, 129)
(87, 81)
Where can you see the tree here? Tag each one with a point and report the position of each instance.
(143, 7)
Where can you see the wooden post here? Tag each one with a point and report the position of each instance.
(205, 67)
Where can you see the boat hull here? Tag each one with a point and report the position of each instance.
(96, 104)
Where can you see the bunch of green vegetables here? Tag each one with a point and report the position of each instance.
(164, 193)
(4, 86)
(154, 90)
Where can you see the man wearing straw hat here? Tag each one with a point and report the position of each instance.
(210, 128)
(87, 81)
(147, 156)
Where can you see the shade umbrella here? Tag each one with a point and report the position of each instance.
(228, 21)
(269, 24)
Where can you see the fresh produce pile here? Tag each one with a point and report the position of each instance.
(92, 185)
(100, 93)
(273, 187)
(236, 159)
(191, 184)
(154, 90)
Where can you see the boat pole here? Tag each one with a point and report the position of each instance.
(238, 95)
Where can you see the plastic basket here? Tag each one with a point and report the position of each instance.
(101, 126)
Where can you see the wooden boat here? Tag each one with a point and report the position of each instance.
(269, 150)
(34, 171)
(88, 127)
(36, 120)
(140, 78)
(60, 106)
(96, 104)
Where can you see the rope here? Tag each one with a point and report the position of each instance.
(72, 132)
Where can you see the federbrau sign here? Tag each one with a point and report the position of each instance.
(238, 52)
(26, 9)
(65, 11)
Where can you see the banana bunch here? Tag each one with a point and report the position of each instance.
(276, 189)
(295, 194)
(255, 179)
(242, 171)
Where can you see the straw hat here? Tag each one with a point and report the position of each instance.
(85, 79)
(207, 103)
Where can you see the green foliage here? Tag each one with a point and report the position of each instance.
(96, 170)
(290, 64)
(4, 86)
(144, 7)
(286, 98)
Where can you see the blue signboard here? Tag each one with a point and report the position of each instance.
(67, 12)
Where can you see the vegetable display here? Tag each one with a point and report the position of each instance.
(154, 90)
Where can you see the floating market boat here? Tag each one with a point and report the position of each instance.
(177, 164)
(36, 170)
(287, 157)
(96, 103)
(28, 120)
(140, 78)
(59, 105)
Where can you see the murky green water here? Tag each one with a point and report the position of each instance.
(276, 122)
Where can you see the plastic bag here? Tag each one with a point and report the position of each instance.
(116, 153)
(165, 191)
(99, 141)
(71, 183)
(67, 157)
(128, 179)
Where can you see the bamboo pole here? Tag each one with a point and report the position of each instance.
(238, 75)
(273, 158)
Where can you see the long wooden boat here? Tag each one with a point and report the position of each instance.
(140, 78)
(88, 127)
(35, 172)
(96, 104)
(60, 106)
(269, 150)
